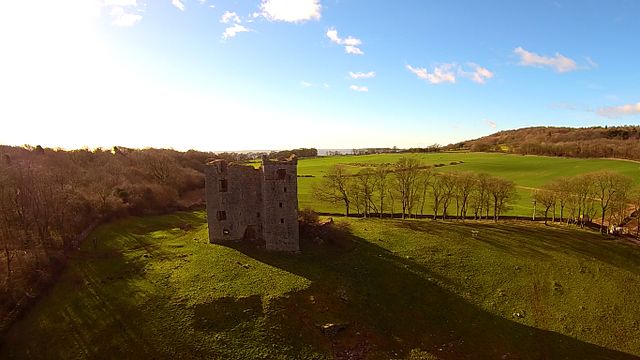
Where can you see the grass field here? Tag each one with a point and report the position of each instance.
(154, 288)
(525, 171)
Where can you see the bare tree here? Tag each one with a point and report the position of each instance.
(437, 190)
(424, 180)
(334, 187)
(546, 198)
(406, 180)
(502, 191)
(562, 189)
(380, 183)
(448, 182)
(364, 186)
(606, 185)
(466, 183)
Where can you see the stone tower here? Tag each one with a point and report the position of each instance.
(244, 203)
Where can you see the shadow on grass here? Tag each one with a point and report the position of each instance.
(389, 307)
(538, 241)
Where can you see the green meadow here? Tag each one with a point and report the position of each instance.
(527, 172)
(152, 287)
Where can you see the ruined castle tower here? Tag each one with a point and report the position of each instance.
(244, 203)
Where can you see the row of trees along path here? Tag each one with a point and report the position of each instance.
(411, 188)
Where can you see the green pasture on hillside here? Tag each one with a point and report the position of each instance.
(527, 172)
(153, 288)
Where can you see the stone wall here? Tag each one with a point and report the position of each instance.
(248, 203)
(280, 198)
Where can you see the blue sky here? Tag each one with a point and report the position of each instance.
(276, 74)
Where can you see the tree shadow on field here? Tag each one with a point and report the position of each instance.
(386, 306)
(534, 240)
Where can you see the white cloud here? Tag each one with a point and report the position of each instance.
(230, 16)
(306, 84)
(353, 50)
(122, 18)
(359, 88)
(350, 43)
(178, 4)
(294, 11)
(478, 74)
(362, 75)
(614, 112)
(448, 73)
(234, 30)
(559, 62)
(444, 73)
(490, 123)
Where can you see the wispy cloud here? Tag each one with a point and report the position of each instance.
(307, 84)
(178, 4)
(614, 112)
(294, 11)
(362, 75)
(449, 72)
(233, 30)
(230, 16)
(558, 62)
(445, 73)
(350, 43)
(490, 123)
(359, 88)
(478, 74)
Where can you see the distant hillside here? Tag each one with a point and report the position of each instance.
(610, 142)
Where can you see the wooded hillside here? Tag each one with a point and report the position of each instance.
(598, 142)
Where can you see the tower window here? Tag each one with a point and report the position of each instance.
(224, 185)
(222, 215)
(258, 215)
(280, 204)
(282, 173)
(285, 189)
(281, 220)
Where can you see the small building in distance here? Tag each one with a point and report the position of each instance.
(245, 203)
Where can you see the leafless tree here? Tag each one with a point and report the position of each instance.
(606, 185)
(334, 187)
(547, 199)
(502, 191)
(381, 181)
(406, 173)
(424, 180)
(466, 183)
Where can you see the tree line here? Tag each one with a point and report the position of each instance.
(409, 188)
(580, 199)
(593, 142)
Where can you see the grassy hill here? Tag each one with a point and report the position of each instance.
(526, 172)
(153, 288)
(595, 142)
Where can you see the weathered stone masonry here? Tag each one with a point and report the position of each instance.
(248, 203)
